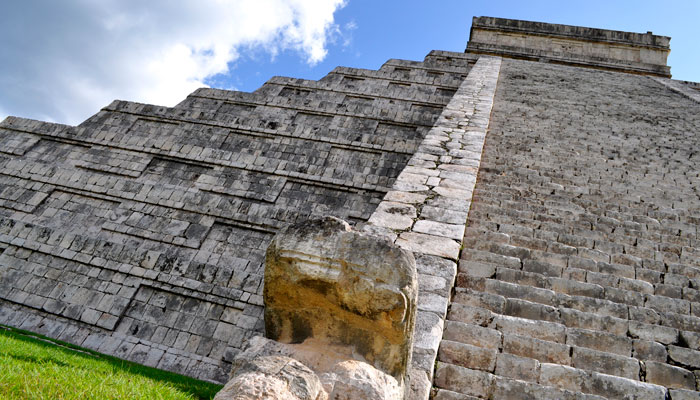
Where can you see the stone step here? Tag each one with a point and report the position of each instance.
(598, 280)
(308, 89)
(476, 301)
(447, 76)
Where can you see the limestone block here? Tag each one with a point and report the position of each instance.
(393, 215)
(324, 281)
(464, 380)
(562, 376)
(607, 363)
(429, 244)
(466, 355)
(617, 387)
(357, 380)
(684, 394)
(472, 334)
(658, 333)
(522, 368)
(310, 370)
(543, 351)
(685, 356)
(420, 385)
(669, 376)
(513, 389)
(649, 350)
(272, 378)
(442, 394)
(692, 339)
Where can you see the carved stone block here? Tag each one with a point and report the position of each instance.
(327, 282)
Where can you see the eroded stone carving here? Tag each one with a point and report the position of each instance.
(340, 308)
(326, 282)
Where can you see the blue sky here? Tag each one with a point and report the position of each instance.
(63, 61)
(410, 29)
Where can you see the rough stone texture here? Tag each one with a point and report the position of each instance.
(358, 380)
(141, 232)
(581, 246)
(327, 282)
(272, 378)
(309, 370)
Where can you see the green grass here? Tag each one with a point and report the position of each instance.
(33, 367)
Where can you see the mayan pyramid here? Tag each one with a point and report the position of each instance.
(547, 181)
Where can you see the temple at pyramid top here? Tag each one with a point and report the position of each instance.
(642, 53)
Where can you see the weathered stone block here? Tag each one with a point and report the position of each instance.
(429, 244)
(562, 376)
(468, 356)
(691, 339)
(393, 215)
(464, 380)
(522, 368)
(271, 378)
(488, 301)
(649, 350)
(580, 319)
(669, 376)
(543, 330)
(443, 394)
(601, 341)
(518, 390)
(683, 356)
(428, 330)
(617, 387)
(613, 364)
(658, 333)
(540, 350)
(472, 334)
(471, 315)
(324, 281)
(531, 310)
(680, 394)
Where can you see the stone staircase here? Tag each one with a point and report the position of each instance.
(579, 276)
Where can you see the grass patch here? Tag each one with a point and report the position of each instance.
(34, 367)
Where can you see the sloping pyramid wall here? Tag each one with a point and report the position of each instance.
(141, 232)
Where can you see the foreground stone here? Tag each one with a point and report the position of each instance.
(326, 282)
(305, 371)
(272, 377)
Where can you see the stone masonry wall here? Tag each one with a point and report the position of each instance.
(141, 233)
(580, 273)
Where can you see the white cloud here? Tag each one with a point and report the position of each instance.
(62, 61)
